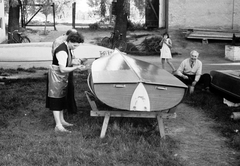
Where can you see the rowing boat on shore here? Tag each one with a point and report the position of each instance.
(131, 84)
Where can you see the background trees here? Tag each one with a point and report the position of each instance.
(103, 8)
(24, 8)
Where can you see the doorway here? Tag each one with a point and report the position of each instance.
(156, 13)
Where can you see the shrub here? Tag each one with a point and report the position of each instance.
(94, 26)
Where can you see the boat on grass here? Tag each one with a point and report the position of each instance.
(122, 82)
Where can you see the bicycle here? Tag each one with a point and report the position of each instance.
(18, 37)
(119, 43)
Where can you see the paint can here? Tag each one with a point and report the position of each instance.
(235, 116)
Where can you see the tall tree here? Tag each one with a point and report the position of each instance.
(122, 13)
(14, 8)
(14, 14)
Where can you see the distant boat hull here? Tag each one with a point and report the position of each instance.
(35, 52)
(129, 84)
(27, 55)
(227, 82)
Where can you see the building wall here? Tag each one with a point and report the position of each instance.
(2, 22)
(204, 14)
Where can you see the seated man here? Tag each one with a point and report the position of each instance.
(190, 72)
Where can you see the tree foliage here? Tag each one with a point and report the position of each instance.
(60, 7)
(26, 6)
(100, 7)
(140, 5)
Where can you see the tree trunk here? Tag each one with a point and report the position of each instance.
(121, 19)
(13, 18)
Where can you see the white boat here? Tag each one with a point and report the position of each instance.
(127, 83)
(33, 52)
(27, 55)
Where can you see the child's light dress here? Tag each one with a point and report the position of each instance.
(165, 50)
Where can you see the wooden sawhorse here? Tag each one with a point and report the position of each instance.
(132, 114)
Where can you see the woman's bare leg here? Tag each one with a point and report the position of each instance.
(62, 120)
(57, 117)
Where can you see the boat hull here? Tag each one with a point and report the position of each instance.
(31, 52)
(121, 97)
(227, 83)
(126, 83)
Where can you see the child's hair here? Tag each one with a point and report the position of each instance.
(166, 34)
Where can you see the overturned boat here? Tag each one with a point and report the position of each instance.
(126, 83)
(227, 82)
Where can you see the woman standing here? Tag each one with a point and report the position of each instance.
(166, 51)
(58, 79)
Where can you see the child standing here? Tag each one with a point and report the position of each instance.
(165, 54)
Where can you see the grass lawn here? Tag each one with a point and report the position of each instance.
(27, 134)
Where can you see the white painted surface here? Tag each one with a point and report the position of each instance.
(26, 52)
(2, 22)
(91, 51)
(232, 52)
(27, 55)
(206, 14)
(140, 100)
(162, 10)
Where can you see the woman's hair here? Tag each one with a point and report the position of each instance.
(166, 34)
(75, 38)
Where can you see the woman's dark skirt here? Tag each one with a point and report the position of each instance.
(56, 104)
